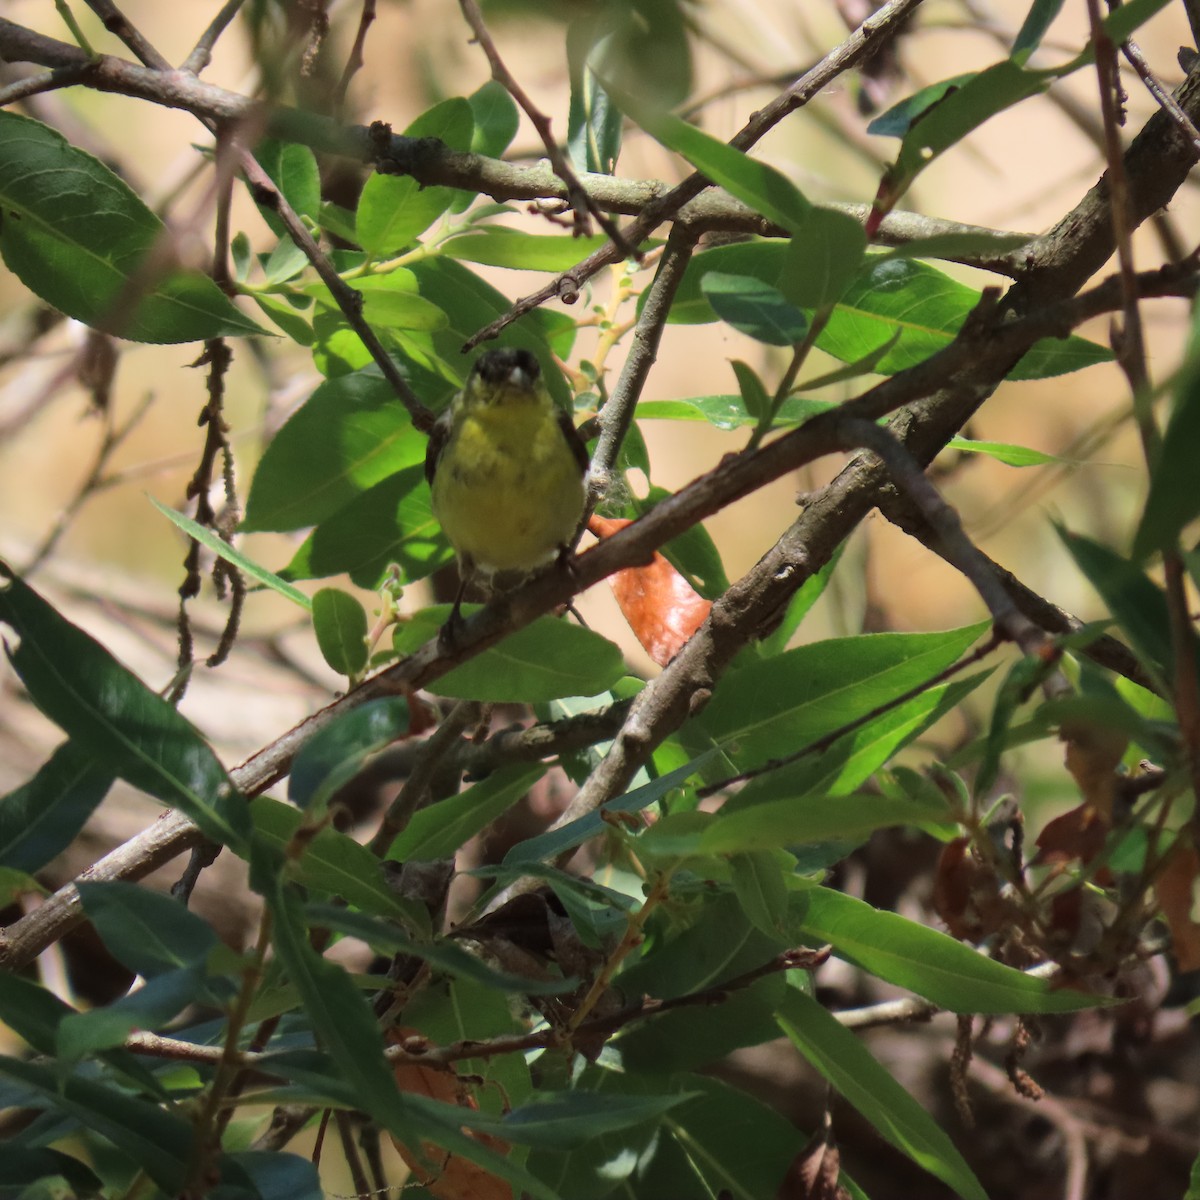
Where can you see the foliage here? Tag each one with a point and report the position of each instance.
(555, 1041)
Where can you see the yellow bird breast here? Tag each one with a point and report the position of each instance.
(508, 490)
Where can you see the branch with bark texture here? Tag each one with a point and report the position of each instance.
(942, 392)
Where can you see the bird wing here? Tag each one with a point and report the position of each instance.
(578, 449)
(438, 437)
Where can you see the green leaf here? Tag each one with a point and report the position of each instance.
(823, 258)
(1124, 21)
(389, 305)
(724, 1143)
(763, 188)
(690, 1037)
(219, 546)
(645, 48)
(79, 238)
(346, 1027)
(276, 1175)
(755, 399)
(351, 433)
(340, 623)
(764, 825)
(1033, 28)
(285, 262)
(565, 1120)
(40, 819)
(442, 954)
(556, 841)
(286, 315)
(391, 522)
(760, 885)
(332, 862)
(159, 1143)
(440, 829)
(112, 716)
(147, 932)
(156, 1003)
(1174, 499)
(900, 118)
(859, 1078)
(916, 307)
(394, 209)
(495, 118)
(498, 246)
(927, 308)
(1137, 603)
(728, 412)
(335, 754)
(1010, 455)
(946, 972)
(21, 1166)
(470, 303)
(719, 944)
(293, 170)
(754, 308)
(545, 660)
(846, 765)
(961, 110)
(771, 707)
(593, 120)
(32, 1012)
(959, 245)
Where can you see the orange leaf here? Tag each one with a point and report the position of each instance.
(1093, 755)
(966, 894)
(1176, 890)
(444, 1175)
(814, 1172)
(662, 608)
(1078, 834)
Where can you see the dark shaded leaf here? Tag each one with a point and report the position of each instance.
(351, 433)
(545, 660)
(82, 240)
(335, 754)
(40, 819)
(440, 829)
(851, 1069)
(391, 522)
(112, 716)
(927, 962)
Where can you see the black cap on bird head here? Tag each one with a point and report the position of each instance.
(510, 366)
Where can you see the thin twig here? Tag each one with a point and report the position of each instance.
(821, 744)
(346, 298)
(866, 39)
(617, 415)
(1165, 100)
(356, 60)
(434, 752)
(45, 81)
(1129, 343)
(582, 205)
(118, 24)
(957, 548)
(201, 54)
(92, 483)
(957, 380)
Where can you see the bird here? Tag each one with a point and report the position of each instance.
(506, 469)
